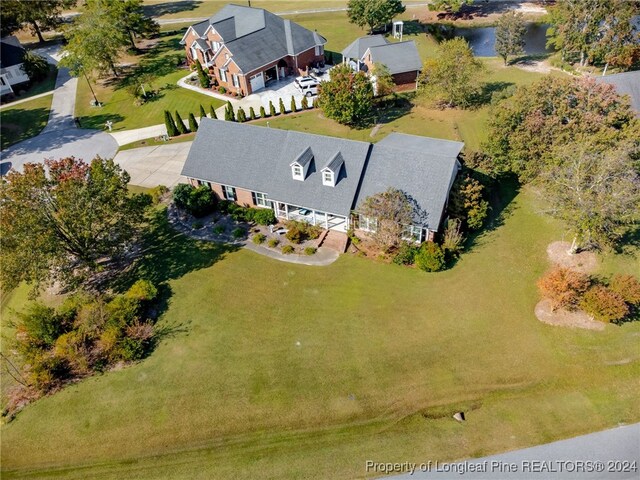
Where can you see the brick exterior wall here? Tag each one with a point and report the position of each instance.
(406, 79)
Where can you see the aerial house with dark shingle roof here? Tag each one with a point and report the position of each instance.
(246, 48)
(322, 180)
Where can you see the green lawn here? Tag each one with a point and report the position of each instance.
(46, 85)
(152, 142)
(24, 120)
(118, 104)
(386, 355)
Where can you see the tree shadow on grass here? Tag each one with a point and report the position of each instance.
(98, 122)
(488, 90)
(167, 8)
(393, 108)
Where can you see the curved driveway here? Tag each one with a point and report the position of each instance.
(60, 138)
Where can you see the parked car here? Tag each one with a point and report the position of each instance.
(307, 85)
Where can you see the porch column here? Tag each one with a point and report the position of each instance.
(313, 215)
(326, 221)
(277, 73)
(286, 211)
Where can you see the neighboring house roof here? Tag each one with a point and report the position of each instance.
(398, 57)
(359, 46)
(260, 158)
(256, 37)
(11, 52)
(627, 83)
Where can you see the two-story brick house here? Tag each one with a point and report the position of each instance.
(247, 48)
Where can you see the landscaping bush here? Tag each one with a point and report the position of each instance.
(158, 193)
(564, 287)
(212, 112)
(310, 250)
(273, 242)
(180, 124)
(197, 201)
(241, 116)
(272, 109)
(193, 124)
(466, 202)
(293, 104)
(205, 81)
(304, 103)
(238, 232)
(301, 231)
(263, 114)
(604, 304)
(259, 238)
(281, 105)
(252, 113)
(203, 114)
(218, 229)
(294, 233)
(405, 255)
(287, 249)
(628, 287)
(170, 124)
(222, 90)
(430, 257)
(264, 216)
(453, 240)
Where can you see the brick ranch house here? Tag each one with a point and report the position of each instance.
(322, 180)
(401, 58)
(247, 48)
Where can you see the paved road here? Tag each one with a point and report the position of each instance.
(611, 450)
(60, 138)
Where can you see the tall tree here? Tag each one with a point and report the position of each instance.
(373, 13)
(384, 81)
(347, 97)
(451, 77)
(510, 32)
(596, 192)
(38, 14)
(130, 18)
(57, 225)
(450, 5)
(525, 128)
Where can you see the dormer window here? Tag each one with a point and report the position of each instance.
(300, 166)
(328, 178)
(297, 172)
(331, 172)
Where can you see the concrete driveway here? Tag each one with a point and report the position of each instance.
(153, 166)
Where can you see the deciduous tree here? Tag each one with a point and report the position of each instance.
(564, 287)
(510, 32)
(347, 97)
(38, 14)
(452, 77)
(450, 5)
(384, 81)
(57, 225)
(373, 13)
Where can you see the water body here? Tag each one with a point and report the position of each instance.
(482, 40)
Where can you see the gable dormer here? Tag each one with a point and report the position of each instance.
(300, 166)
(331, 172)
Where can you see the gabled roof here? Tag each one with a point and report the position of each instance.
(304, 158)
(359, 46)
(398, 57)
(426, 145)
(256, 37)
(627, 83)
(335, 164)
(11, 52)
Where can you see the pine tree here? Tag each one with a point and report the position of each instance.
(202, 75)
(263, 114)
(272, 109)
(212, 112)
(293, 104)
(252, 113)
(180, 124)
(193, 125)
(242, 117)
(202, 112)
(305, 103)
(172, 131)
(282, 109)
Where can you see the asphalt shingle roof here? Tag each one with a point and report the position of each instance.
(256, 37)
(359, 46)
(259, 159)
(398, 57)
(627, 83)
(11, 53)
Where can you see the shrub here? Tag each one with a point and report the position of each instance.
(273, 242)
(158, 193)
(197, 201)
(264, 216)
(466, 202)
(238, 232)
(205, 82)
(218, 229)
(180, 124)
(193, 124)
(310, 250)
(293, 104)
(453, 240)
(294, 233)
(222, 90)
(252, 113)
(287, 249)
(212, 112)
(430, 257)
(405, 254)
(241, 116)
(263, 114)
(281, 105)
(301, 231)
(604, 304)
(142, 291)
(197, 225)
(203, 114)
(259, 238)
(41, 325)
(628, 287)
(170, 124)
(272, 109)
(304, 103)
(564, 287)
(181, 194)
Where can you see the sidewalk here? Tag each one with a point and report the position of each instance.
(18, 102)
(323, 257)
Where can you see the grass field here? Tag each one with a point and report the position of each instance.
(118, 104)
(386, 355)
(24, 120)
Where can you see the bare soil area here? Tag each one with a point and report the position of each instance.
(482, 13)
(564, 318)
(584, 262)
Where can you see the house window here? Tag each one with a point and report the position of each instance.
(236, 83)
(412, 233)
(327, 178)
(194, 53)
(229, 193)
(260, 199)
(223, 75)
(216, 46)
(368, 224)
(297, 172)
(319, 50)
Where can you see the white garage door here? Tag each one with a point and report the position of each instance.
(257, 82)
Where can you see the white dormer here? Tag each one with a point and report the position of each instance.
(331, 172)
(300, 166)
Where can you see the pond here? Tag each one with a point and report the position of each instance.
(482, 40)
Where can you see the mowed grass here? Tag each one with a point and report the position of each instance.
(118, 104)
(386, 355)
(24, 120)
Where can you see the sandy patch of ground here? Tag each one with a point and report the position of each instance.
(538, 66)
(584, 262)
(564, 318)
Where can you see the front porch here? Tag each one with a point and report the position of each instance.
(328, 221)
